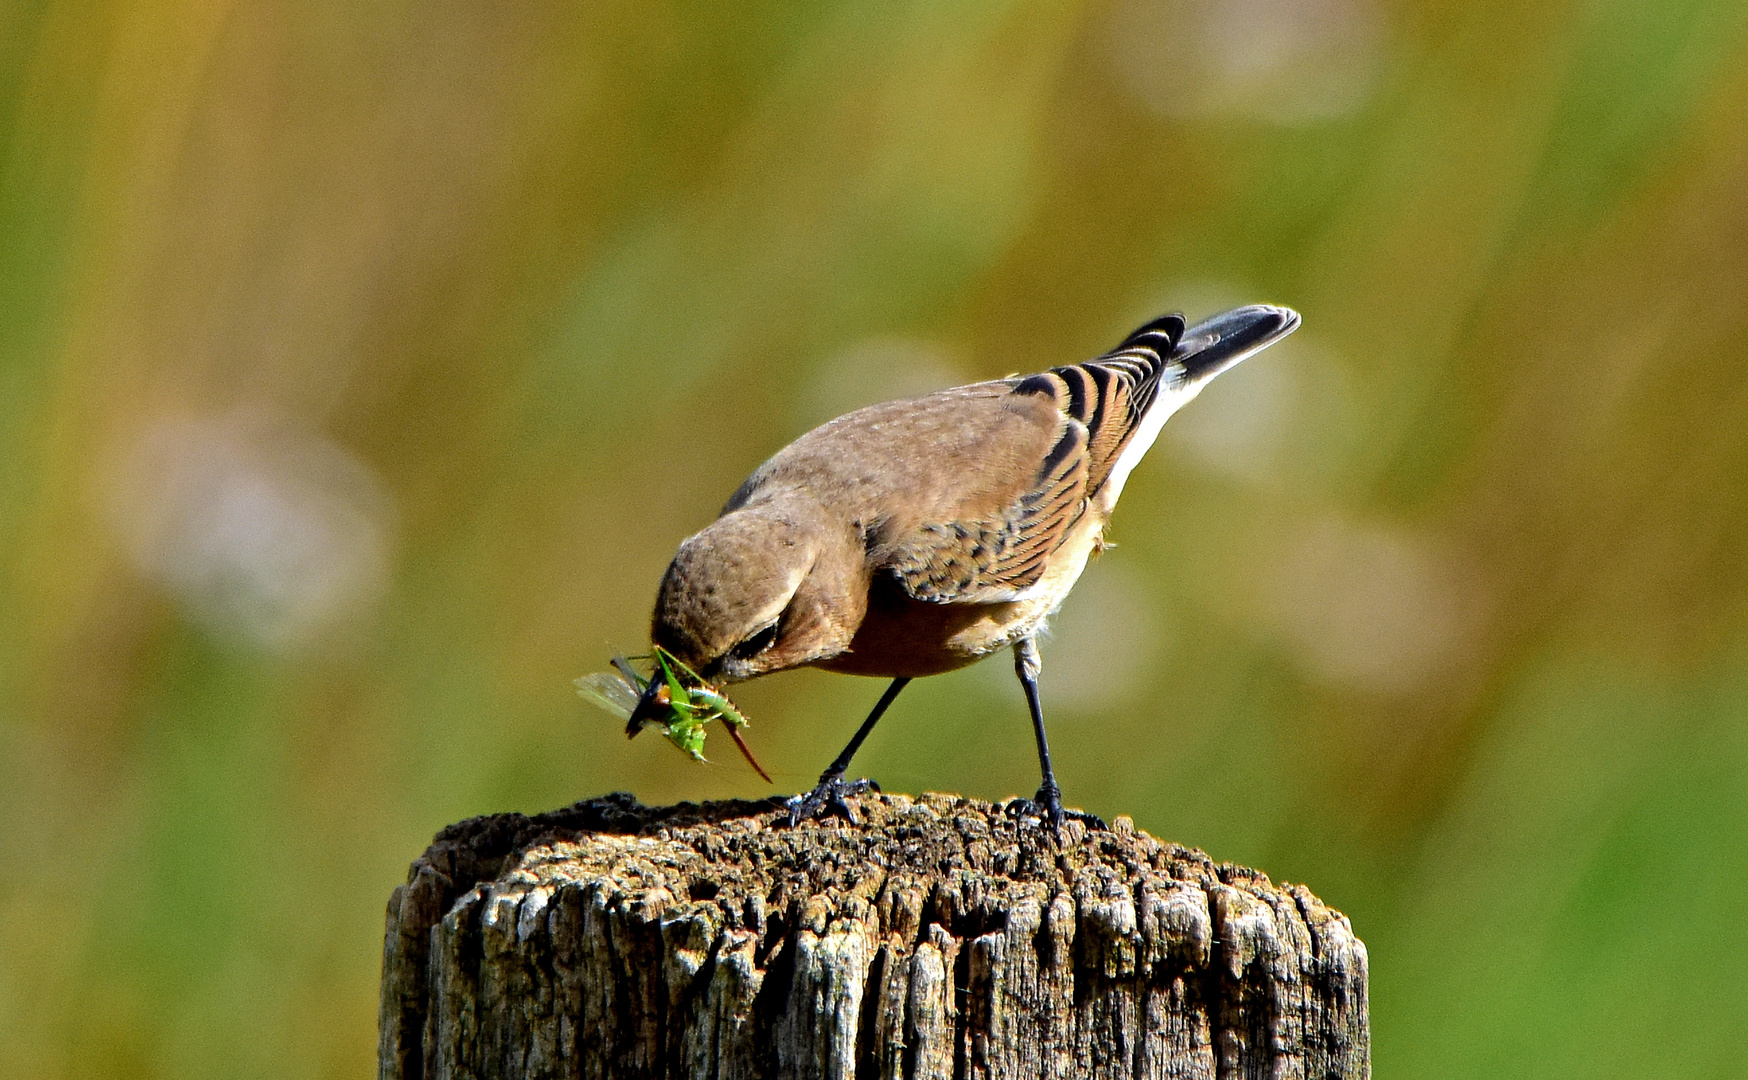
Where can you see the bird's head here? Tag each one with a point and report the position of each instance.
(751, 594)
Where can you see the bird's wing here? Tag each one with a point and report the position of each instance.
(1072, 424)
(1110, 394)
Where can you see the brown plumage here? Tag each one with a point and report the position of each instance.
(917, 536)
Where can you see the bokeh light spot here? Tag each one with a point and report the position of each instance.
(264, 531)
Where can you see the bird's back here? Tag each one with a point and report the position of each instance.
(950, 455)
(965, 494)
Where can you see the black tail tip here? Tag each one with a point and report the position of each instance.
(1215, 344)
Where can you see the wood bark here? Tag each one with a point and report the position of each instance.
(938, 937)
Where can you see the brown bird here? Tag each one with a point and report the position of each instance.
(918, 536)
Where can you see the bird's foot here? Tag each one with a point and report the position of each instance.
(1046, 805)
(830, 797)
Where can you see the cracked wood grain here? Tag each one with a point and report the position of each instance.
(938, 938)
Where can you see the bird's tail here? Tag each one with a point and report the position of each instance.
(1213, 345)
(1170, 365)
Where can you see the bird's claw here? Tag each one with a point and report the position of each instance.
(1046, 805)
(829, 798)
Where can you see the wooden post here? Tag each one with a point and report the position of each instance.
(937, 938)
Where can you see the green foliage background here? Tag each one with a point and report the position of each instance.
(1440, 607)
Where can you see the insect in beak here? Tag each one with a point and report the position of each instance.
(674, 697)
(651, 705)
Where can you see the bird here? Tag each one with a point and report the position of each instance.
(918, 536)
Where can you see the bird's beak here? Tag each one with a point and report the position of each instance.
(1213, 345)
(656, 698)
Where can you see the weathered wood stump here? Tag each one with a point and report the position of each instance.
(937, 938)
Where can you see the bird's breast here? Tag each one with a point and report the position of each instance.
(903, 637)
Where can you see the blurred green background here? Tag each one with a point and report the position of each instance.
(363, 364)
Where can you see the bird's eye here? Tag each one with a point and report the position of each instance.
(756, 644)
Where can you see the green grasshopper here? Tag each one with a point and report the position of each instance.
(689, 700)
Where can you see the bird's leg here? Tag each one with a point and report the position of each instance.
(831, 793)
(1048, 801)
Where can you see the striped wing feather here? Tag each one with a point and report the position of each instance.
(1099, 404)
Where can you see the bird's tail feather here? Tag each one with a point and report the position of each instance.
(1184, 361)
(1213, 345)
